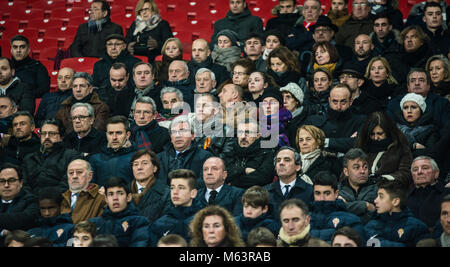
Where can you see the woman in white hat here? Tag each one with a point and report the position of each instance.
(416, 124)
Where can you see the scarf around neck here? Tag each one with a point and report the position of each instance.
(295, 240)
(97, 25)
(329, 66)
(309, 158)
(146, 25)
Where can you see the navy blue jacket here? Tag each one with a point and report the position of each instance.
(187, 88)
(176, 221)
(109, 163)
(191, 159)
(219, 71)
(328, 216)
(155, 202)
(264, 220)
(102, 67)
(57, 230)
(401, 229)
(129, 227)
(436, 104)
(49, 105)
(229, 197)
(301, 190)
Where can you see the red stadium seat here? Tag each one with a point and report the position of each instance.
(85, 64)
(63, 12)
(20, 13)
(47, 23)
(53, 80)
(49, 64)
(40, 43)
(37, 102)
(6, 48)
(143, 58)
(58, 32)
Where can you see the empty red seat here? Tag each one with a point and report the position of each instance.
(63, 12)
(6, 48)
(47, 53)
(80, 64)
(49, 64)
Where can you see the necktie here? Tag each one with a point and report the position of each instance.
(74, 200)
(212, 197)
(141, 189)
(286, 190)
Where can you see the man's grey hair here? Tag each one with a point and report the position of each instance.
(181, 119)
(146, 100)
(90, 109)
(13, 103)
(433, 163)
(88, 165)
(186, 68)
(172, 90)
(85, 76)
(421, 70)
(203, 70)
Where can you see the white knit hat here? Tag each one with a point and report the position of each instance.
(416, 98)
(295, 90)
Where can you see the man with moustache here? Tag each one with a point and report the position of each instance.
(47, 166)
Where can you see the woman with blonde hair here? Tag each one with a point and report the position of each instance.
(171, 50)
(438, 66)
(380, 85)
(310, 142)
(214, 226)
(148, 32)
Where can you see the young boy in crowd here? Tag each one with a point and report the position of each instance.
(394, 224)
(83, 233)
(256, 212)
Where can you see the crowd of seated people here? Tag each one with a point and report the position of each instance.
(314, 129)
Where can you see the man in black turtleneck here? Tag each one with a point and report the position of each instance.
(28, 70)
(51, 102)
(286, 16)
(115, 52)
(201, 58)
(339, 124)
(240, 20)
(90, 38)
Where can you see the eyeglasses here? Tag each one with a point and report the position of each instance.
(9, 181)
(180, 132)
(50, 134)
(359, 4)
(238, 73)
(80, 117)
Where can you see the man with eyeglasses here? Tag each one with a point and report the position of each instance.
(90, 38)
(249, 164)
(47, 167)
(83, 91)
(18, 208)
(115, 52)
(359, 22)
(84, 138)
(145, 130)
(182, 152)
(23, 140)
(418, 81)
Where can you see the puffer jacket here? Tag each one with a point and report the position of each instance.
(57, 230)
(129, 227)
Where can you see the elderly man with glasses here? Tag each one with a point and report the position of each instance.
(359, 22)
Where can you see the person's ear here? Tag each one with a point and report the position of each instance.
(129, 197)
(193, 193)
(265, 209)
(396, 202)
(345, 171)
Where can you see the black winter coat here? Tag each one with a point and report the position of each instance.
(282, 22)
(325, 162)
(21, 214)
(119, 102)
(49, 105)
(155, 202)
(22, 94)
(90, 44)
(192, 159)
(246, 225)
(57, 230)
(229, 197)
(317, 102)
(220, 71)
(91, 143)
(260, 159)
(161, 33)
(158, 136)
(15, 151)
(33, 73)
(102, 67)
(48, 169)
(425, 202)
(285, 78)
(295, 123)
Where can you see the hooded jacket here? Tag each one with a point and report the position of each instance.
(129, 227)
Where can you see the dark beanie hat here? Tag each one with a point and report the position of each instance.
(273, 92)
(115, 36)
(232, 35)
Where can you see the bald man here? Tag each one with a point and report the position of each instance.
(179, 78)
(201, 58)
(51, 102)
